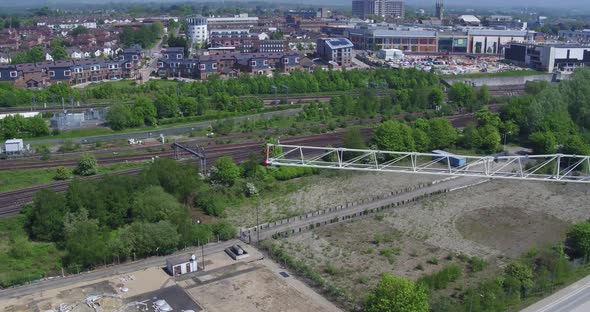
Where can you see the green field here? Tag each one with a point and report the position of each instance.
(17, 179)
(22, 260)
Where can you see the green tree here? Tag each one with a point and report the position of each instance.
(87, 165)
(579, 238)
(119, 116)
(225, 171)
(224, 230)
(152, 238)
(394, 135)
(490, 138)
(462, 95)
(37, 126)
(396, 294)
(58, 52)
(79, 31)
(85, 242)
(441, 132)
(484, 95)
(180, 179)
(575, 145)
(145, 111)
(153, 204)
(543, 142)
(45, 217)
(436, 97)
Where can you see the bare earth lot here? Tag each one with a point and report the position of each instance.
(326, 190)
(495, 220)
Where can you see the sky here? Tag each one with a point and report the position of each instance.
(500, 4)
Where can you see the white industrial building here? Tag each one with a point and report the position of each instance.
(14, 146)
(182, 265)
(390, 54)
(196, 29)
(549, 57)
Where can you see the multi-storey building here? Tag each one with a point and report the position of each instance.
(229, 65)
(230, 37)
(39, 75)
(338, 50)
(383, 8)
(196, 29)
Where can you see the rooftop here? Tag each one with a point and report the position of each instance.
(335, 43)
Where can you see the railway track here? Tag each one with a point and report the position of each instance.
(108, 157)
(11, 202)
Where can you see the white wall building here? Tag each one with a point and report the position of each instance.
(14, 146)
(390, 54)
(182, 265)
(196, 29)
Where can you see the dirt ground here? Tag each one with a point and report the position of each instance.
(494, 221)
(329, 189)
(259, 289)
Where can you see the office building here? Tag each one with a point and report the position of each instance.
(338, 50)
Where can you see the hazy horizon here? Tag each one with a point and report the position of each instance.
(563, 4)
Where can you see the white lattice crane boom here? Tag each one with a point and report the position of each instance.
(554, 167)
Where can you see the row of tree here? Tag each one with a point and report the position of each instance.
(146, 36)
(17, 127)
(123, 217)
(553, 118)
(144, 111)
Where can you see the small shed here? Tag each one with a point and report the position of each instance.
(182, 265)
(14, 146)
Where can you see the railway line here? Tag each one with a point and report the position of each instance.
(11, 202)
(112, 156)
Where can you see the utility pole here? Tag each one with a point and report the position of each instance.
(203, 255)
(257, 225)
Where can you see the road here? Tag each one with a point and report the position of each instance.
(574, 298)
(106, 272)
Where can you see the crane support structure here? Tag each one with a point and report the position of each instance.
(554, 167)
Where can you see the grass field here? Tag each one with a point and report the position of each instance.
(21, 259)
(17, 179)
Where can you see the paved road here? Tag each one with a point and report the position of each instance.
(574, 298)
(106, 272)
(166, 131)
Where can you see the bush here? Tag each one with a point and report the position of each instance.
(477, 264)
(62, 173)
(87, 165)
(212, 203)
(442, 278)
(433, 261)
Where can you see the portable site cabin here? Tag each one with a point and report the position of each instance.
(182, 265)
